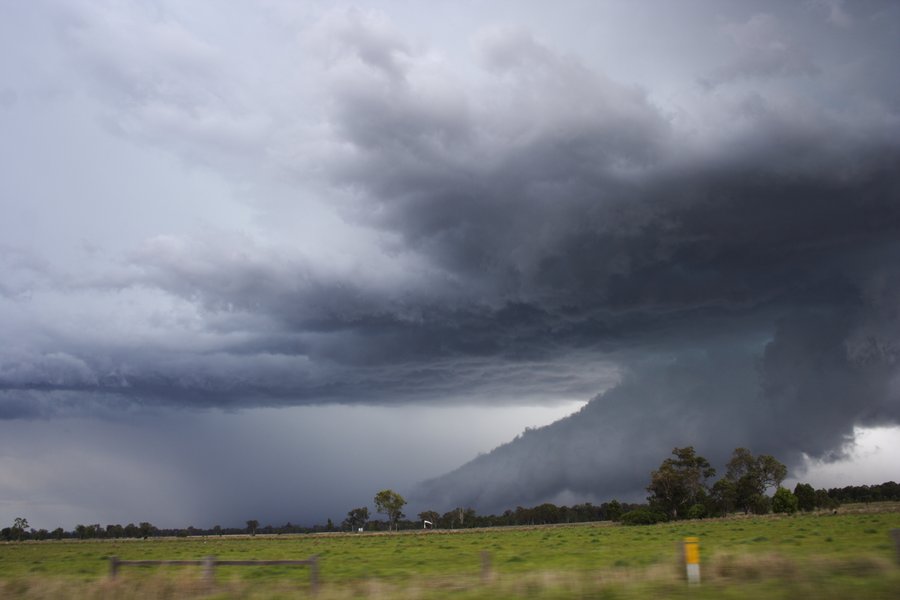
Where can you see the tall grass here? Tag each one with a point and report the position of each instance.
(848, 555)
(735, 577)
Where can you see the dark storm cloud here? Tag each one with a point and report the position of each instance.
(557, 211)
(802, 397)
(526, 233)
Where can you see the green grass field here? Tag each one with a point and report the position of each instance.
(848, 555)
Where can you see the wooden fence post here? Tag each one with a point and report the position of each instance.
(209, 569)
(895, 533)
(113, 566)
(485, 566)
(314, 575)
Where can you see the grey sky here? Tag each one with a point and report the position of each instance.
(279, 204)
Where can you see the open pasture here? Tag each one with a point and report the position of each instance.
(847, 555)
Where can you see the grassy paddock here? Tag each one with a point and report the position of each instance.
(847, 555)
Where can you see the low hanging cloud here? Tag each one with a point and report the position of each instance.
(800, 397)
(720, 267)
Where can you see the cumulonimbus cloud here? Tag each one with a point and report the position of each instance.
(536, 231)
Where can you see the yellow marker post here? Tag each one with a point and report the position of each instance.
(692, 559)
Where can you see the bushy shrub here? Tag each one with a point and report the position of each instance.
(697, 511)
(784, 501)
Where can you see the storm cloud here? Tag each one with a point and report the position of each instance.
(702, 236)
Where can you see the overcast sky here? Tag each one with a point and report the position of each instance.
(263, 259)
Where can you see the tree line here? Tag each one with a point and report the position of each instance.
(679, 489)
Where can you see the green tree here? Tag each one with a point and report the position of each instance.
(431, 516)
(697, 511)
(356, 518)
(390, 503)
(752, 476)
(760, 505)
(614, 510)
(784, 501)
(724, 496)
(146, 529)
(546, 513)
(806, 497)
(458, 517)
(679, 483)
(825, 501)
(252, 526)
(20, 526)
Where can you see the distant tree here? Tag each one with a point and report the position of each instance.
(546, 513)
(751, 476)
(115, 531)
(447, 520)
(825, 501)
(58, 533)
(466, 516)
(613, 510)
(760, 505)
(390, 503)
(459, 517)
(356, 518)
(19, 528)
(784, 501)
(217, 530)
(145, 529)
(252, 526)
(430, 516)
(523, 516)
(679, 483)
(806, 497)
(771, 471)
(723, 496)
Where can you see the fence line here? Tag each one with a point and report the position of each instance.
(209, 564)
